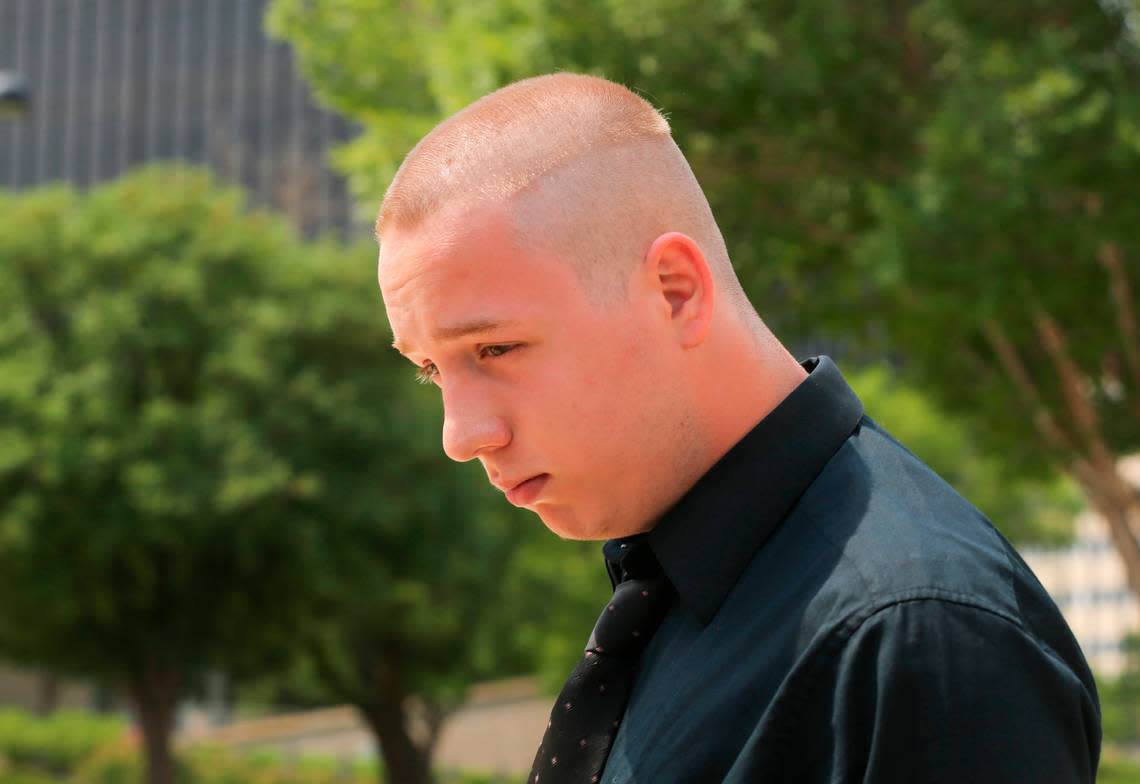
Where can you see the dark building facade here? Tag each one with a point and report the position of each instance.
(119, 83)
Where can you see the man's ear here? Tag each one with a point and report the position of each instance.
(680, 273)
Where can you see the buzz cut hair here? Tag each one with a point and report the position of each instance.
(590, 168)
(505, 141)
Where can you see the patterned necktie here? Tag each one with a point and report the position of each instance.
(586, 716)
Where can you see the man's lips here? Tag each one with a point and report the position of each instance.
(526, 491)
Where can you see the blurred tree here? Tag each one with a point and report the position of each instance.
(211, 458)
(1007, 259)
(940, 182)
(146, 530)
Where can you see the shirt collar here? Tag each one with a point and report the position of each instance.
(708, 537)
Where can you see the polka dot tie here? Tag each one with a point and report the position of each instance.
(589, 709)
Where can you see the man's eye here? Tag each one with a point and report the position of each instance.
(426, 373)
(498, 349)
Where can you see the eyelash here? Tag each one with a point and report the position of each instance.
(427, 372)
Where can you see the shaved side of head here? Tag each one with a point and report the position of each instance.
(589, 169)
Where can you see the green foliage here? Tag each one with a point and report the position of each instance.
(8, 776)
(1025, 187)
(479, 778)
(121, 764)
(557, 590)
(144, 513)
(53, 744)
(1118, 771)
(39, 750)
(1120, 699)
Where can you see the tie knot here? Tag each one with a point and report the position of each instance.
(630, 618)
(641, 598)
(630, 559)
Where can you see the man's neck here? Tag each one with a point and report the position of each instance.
(746, 377)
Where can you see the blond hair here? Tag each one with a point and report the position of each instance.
(590, 168)
(502, 142)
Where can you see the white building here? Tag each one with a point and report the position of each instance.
(1088, 582)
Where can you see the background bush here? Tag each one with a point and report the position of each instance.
(55, 744)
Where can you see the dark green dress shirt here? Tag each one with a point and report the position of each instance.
(843, 615)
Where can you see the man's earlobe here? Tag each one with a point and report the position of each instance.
(683, 278)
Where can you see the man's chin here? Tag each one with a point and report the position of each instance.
(566, 524)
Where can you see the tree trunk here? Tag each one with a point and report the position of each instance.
(1120, 289)
(1090, 461)
(1096, 467)
(405, 761)
(47, 693)
(154, 692)
(1119, 505)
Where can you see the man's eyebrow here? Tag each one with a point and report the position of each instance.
(461, 329)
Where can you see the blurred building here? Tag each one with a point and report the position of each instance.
(43, 691)
(117, 83)
(1088, 582)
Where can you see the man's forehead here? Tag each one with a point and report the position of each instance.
(457, 277)
(414, 250)
(407, 253)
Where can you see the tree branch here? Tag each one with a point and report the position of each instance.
(1043, 418)
(913, 63)
(1098, 471)
(1099, 476)
(1074, 387)
(1121, 291)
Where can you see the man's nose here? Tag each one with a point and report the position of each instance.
(471, 427)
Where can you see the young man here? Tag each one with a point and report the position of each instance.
(797, 598)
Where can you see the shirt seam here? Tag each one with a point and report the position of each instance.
(884, 601)
(845, 629)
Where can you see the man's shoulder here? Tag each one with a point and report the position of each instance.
(895, 531)
(880, 548)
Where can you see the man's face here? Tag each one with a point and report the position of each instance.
(562, 399)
